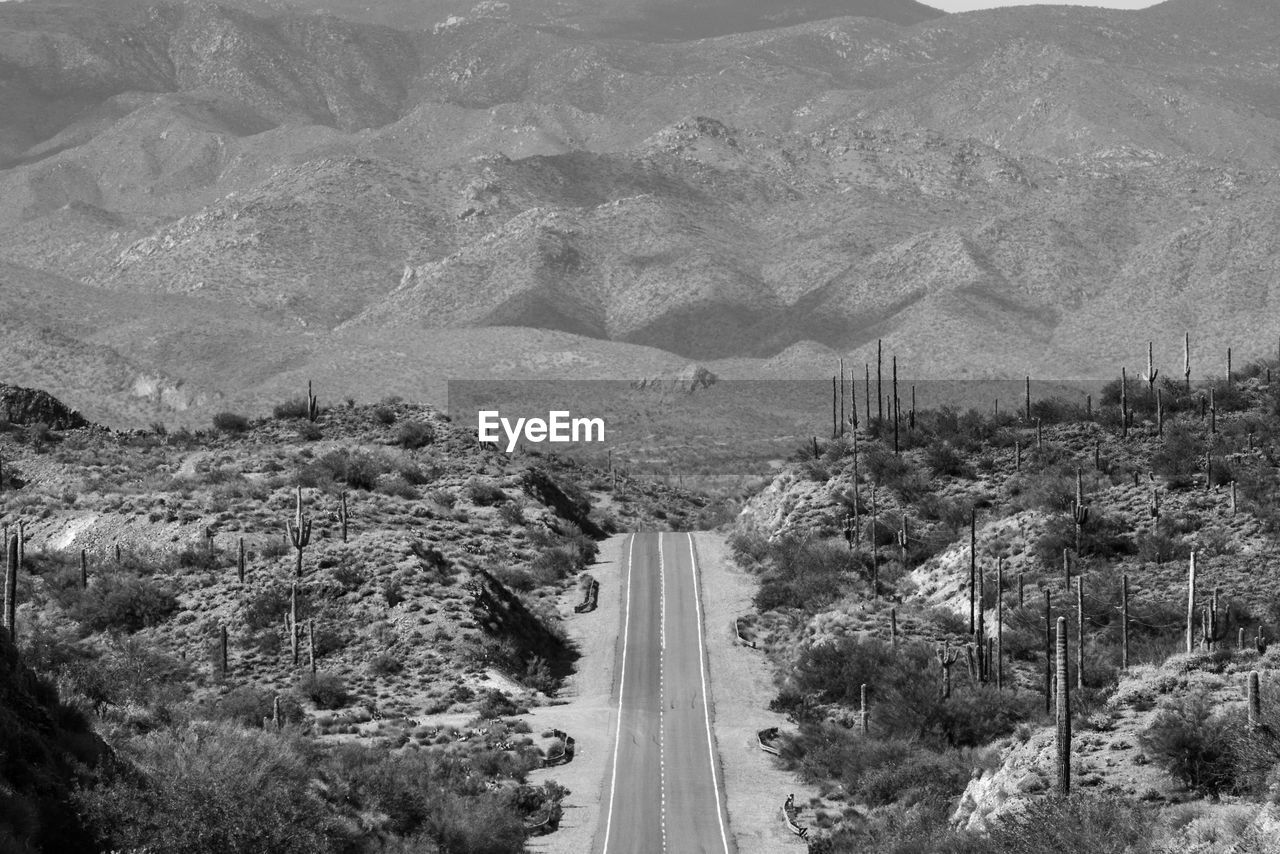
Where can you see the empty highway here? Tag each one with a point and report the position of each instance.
(663, 788)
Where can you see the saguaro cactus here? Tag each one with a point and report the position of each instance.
(880, 380)
(903, 540)
(1124, 622)
(311, 645)
(947, 657)
(1079, 511)
(864, 713)
(999, 624)
(1186, 359)
(973, 568)
(293, 622)
(896, 418)
(893, 627)
(1152, 373)
(1124, 403)
(1063, 739)
(313, 405)
(1191, 604)
(240, 562)
(1080, 632)
(300, 532)
(84, 569)
(342, 514)
(1048, 652)
(11, 589)
(1255, 701)
(222, 649)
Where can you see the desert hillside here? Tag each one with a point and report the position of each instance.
(920, 571)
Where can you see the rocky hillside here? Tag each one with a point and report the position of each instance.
(296, 601)
(954, 556)
(1010, 191)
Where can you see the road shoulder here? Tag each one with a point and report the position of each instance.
(741, 689)
(587, 703)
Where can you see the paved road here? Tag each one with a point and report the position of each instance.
(663, 788)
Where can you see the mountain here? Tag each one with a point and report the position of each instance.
(248, 194)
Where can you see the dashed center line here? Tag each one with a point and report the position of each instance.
(662, 688)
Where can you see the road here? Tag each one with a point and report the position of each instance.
(663, 787)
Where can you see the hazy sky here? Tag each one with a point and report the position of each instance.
(969, 5)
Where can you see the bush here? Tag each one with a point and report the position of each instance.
(1194, 743)
(944, 461)
(125, 603)
(247, 706)
(1097, 824)
(805, 574)
(292, 408)
(230, 422)
(384, 415)
(212, 789)
(496, 704)
(326, 690)
(415, 434)
(1176, 459)
(385, 664)
(484, 494)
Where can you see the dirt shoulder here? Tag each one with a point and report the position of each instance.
(742, 686)
(587, 708)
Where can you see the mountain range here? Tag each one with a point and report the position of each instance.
(203, 205)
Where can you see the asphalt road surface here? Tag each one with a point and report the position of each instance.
(663, 788)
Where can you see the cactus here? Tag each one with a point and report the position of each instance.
(1079, 511)
(276, 718)
(1186, 360)
(1080, 632)
(1021, 590)
(311, 645)
(864, 713)
(999, 657)
(11, 589)
(1260, 641)
(1066, 570)
(1152, 373)
(1124, 403)
(1255, 701)
(1191, 604)
(879, 380)
(1229, 380)
(293, 621)
(903, 540)
(853, 401)
(866, 398)
(1233, 497)
(946, 658)
(980, 641)
(835, 417)
(84, 569)
(1159, 413)
(300, 533)
(842, 397)
(1039, 434)
(240, 561)
(1124, 622)
(973, 567)
(1017, 456)
(893, 627)
(222, 650)
(1213, 411)
(1048, 652)
(313, 406)
(896, 419)
(1063, 737)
